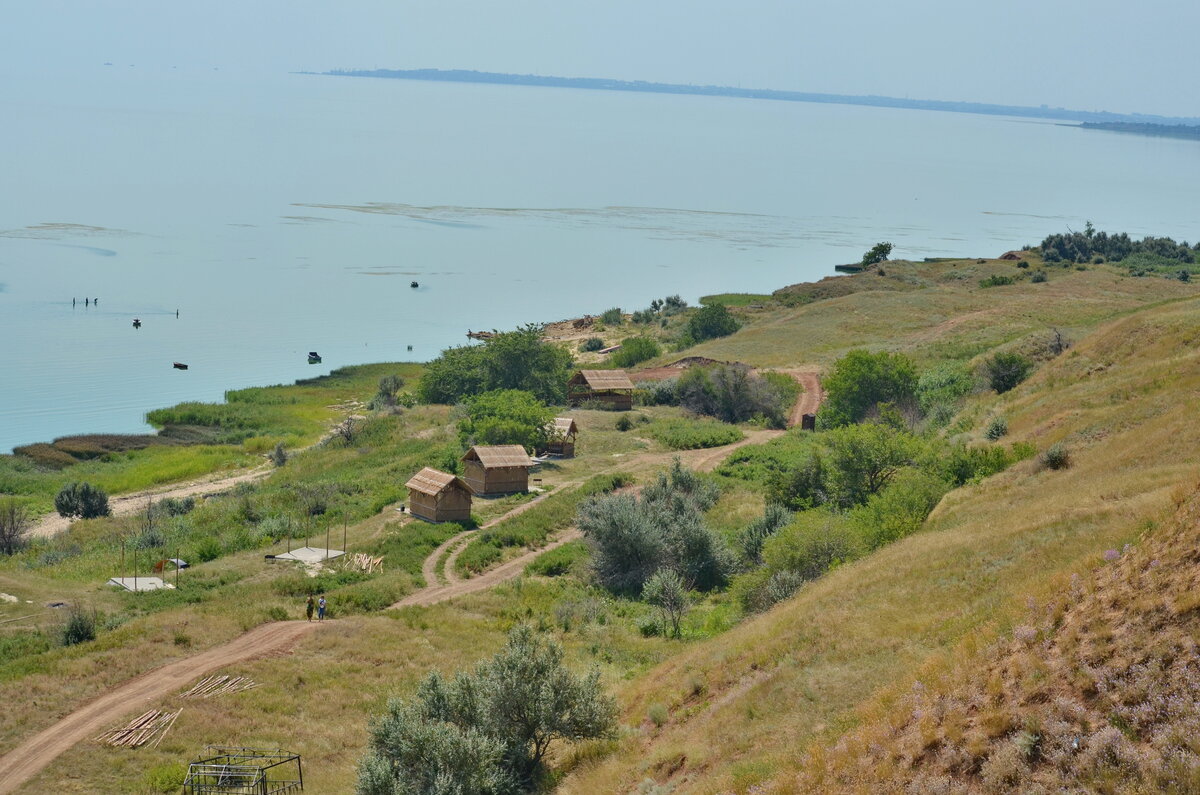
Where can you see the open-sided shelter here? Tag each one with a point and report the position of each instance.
(497, 469)
(560, 435)
(438, 496)
(610, 387)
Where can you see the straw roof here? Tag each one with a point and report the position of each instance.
(432, 482)
(604, 379)
(561, 427)
(500, 455)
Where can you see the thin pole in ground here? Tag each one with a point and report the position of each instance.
(327, 541)
(344, 523)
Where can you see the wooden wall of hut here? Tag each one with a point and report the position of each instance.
(561, 447)
(498, 480)
(452, 505)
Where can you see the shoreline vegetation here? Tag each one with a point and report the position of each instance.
(1190, 132)
(871, 100)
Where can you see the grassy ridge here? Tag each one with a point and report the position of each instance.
(797, 675)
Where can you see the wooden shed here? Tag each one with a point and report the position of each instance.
(497, 469)
(610, 387)
(439, 496)
(561, 435)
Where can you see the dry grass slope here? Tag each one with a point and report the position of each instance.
(743, 706)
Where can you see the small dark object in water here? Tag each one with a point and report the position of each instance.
(314, 357)
(410, 347)
(137, 323)
(179, 366)
(413, 284)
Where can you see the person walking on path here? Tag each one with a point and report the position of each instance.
(308, 607)
(321, 608)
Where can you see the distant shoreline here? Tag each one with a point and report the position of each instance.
(603, 84)
(1187, 132)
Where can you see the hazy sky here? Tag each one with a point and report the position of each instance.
(1114, 55)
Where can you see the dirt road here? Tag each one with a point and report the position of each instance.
(28, 759)
(810, 399)
(128, 504)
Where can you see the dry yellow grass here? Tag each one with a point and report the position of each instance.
(1123, 401)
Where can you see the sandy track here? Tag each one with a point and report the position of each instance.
(28, 759)
(810, 399)
(127, 504)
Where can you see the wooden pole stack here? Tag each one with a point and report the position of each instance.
(142, 729)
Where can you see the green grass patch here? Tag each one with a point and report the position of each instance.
(406, 547)
(560, 561)
(693, 434)
(736, 299)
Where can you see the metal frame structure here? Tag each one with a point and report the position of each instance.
(225, 770)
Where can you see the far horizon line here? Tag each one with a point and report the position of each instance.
(874, 100)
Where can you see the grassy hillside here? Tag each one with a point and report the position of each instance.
(743, 707)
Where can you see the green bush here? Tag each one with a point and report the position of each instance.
(488, 730)
(710, 322)
(657, 714)
(611, 317)
(812, 544)
(861, 380)
(877, 254)
(165, 778)
(1037, 277)
(733, 393)
(1056, 456)
(754, 535)
(507, 416)
(518, 359)
(79, 626)
(1006, 369)
(591, 344)
(898, 510)
(635, 350)
(624, 423)
(944, 385)
(681, 434)
(997, 280)
(996, 428)
(83, 500)
(207, 549)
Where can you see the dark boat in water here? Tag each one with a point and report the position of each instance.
(314, 357)
(179, 366)
(413, 285)
(137, 323)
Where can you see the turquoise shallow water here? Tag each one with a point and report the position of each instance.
(286, 214)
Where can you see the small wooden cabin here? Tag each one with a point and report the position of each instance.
(497, 469)
(438, 496)
(610, 387)
(561, 435)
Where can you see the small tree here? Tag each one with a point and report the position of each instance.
(14, 521)
(385, 398)
(878, 253)
(506, 416)
(1006, 369)
(712, 321)
(79, 626)
(860, 380)
(279, 456)
(591, 344)
(755, 534)
(486, 732)
(83, 500)
(666, 591)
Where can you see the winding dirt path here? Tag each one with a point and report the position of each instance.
(35, 754)
(32, 756)
(810, 399)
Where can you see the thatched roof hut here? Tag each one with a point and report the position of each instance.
(561, 433)
(497, 469)
(610, 387)
(438, 496)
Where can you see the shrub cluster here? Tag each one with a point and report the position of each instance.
(732, 393)
(634, 351)
(631, 538)
(861, 380)
(518, 359)
(685, 434)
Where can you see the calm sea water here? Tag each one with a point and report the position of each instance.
(290, 213)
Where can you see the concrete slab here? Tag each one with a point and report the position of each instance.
(140, 583)
(311, 555)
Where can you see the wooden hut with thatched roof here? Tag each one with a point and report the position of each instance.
(497, 469)
(560, 435)
(610, 387)
(438, 496)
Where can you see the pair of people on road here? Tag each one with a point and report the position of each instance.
(319, 604)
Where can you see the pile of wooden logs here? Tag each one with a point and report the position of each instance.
(218, 686)
(364, 563)
(141, 730)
